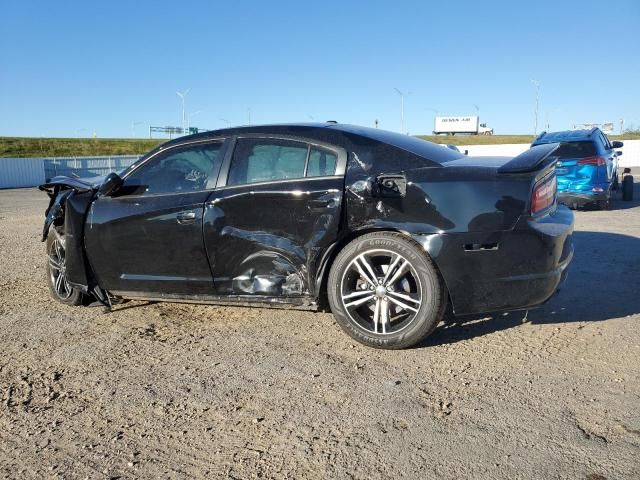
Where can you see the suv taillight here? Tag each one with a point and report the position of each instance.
(543, 195)
(597, 161)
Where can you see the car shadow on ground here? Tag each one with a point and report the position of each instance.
(602, 284)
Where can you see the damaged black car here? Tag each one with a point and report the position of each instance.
(387, 231)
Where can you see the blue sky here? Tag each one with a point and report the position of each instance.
(72, 68)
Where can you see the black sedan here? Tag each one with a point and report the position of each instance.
(387, 231)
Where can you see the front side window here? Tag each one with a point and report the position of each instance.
(179, 170)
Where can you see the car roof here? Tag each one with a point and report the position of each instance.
(565, 136)
(343, 135)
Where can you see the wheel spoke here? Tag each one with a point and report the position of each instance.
(376, 315)
(53, 263)
(357, 293)
(364, 275)
(402, 305)
(398, 273)
(406, 297)
(360, 301)
(384, 306)
(59, 279)
(58, 250)
(369, 268)
(392, 266)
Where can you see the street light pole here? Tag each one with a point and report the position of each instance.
(183, 96)
(189, 119)
(401, 109)
(536, 85)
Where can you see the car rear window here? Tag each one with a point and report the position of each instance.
(576, 150)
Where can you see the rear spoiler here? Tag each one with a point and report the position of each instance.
(536, 158)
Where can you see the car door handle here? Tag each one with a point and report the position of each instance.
(186, 218)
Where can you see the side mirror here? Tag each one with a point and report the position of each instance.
(112, 183)
(619, 152)
(466, 152)
(617, 144)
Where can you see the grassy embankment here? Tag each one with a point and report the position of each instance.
(69, 147)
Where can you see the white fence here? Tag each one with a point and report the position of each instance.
(29, 172)
(21, 172)
(630, 152)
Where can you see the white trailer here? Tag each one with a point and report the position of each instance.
(468, 124)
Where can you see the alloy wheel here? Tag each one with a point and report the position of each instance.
(58, 270)
(381, 291)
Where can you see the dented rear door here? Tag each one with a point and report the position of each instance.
(265, 235)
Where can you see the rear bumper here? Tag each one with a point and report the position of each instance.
(523, 269)
(574, 199)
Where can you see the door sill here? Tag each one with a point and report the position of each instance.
(293, 303)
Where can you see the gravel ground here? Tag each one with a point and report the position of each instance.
(174, 391)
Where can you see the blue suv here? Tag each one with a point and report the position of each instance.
(587, 168)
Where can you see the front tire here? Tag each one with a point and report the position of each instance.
(385, 292)
(57, 274)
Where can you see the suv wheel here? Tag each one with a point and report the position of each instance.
(385, 292)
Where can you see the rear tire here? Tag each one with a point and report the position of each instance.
(604, 204)
(56, 272)
(627, 188)
(385, 292)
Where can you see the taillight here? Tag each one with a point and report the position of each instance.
(543, 195)
(597, 161)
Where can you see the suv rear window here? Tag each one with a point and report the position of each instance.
(576, 150)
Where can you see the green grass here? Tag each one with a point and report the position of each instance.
(499, 139)
(70, 147)
(477, 139)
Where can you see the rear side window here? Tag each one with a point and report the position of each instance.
(576, 150)
(321, 163)
(266, 160)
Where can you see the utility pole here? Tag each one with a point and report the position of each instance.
(183, 96)
(536, 85)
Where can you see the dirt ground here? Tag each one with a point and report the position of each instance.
(182, 391)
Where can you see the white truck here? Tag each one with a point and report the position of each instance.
(469, 124)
